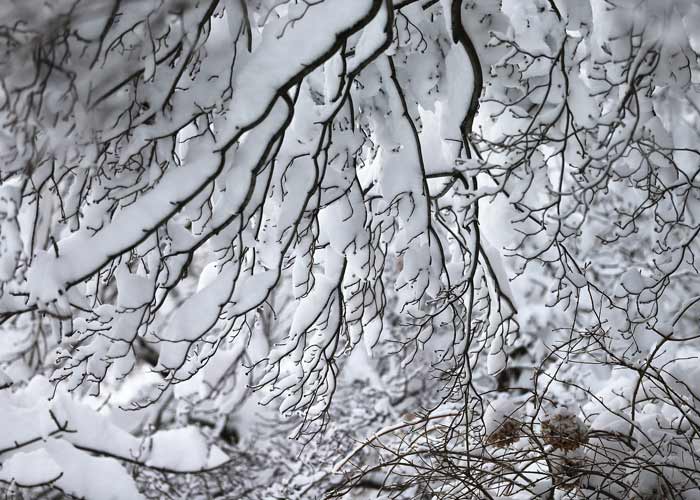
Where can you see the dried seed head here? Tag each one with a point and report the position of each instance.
(502, 422)
(564, 430)
(505, 434)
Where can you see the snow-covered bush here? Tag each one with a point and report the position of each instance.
(446, 246)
